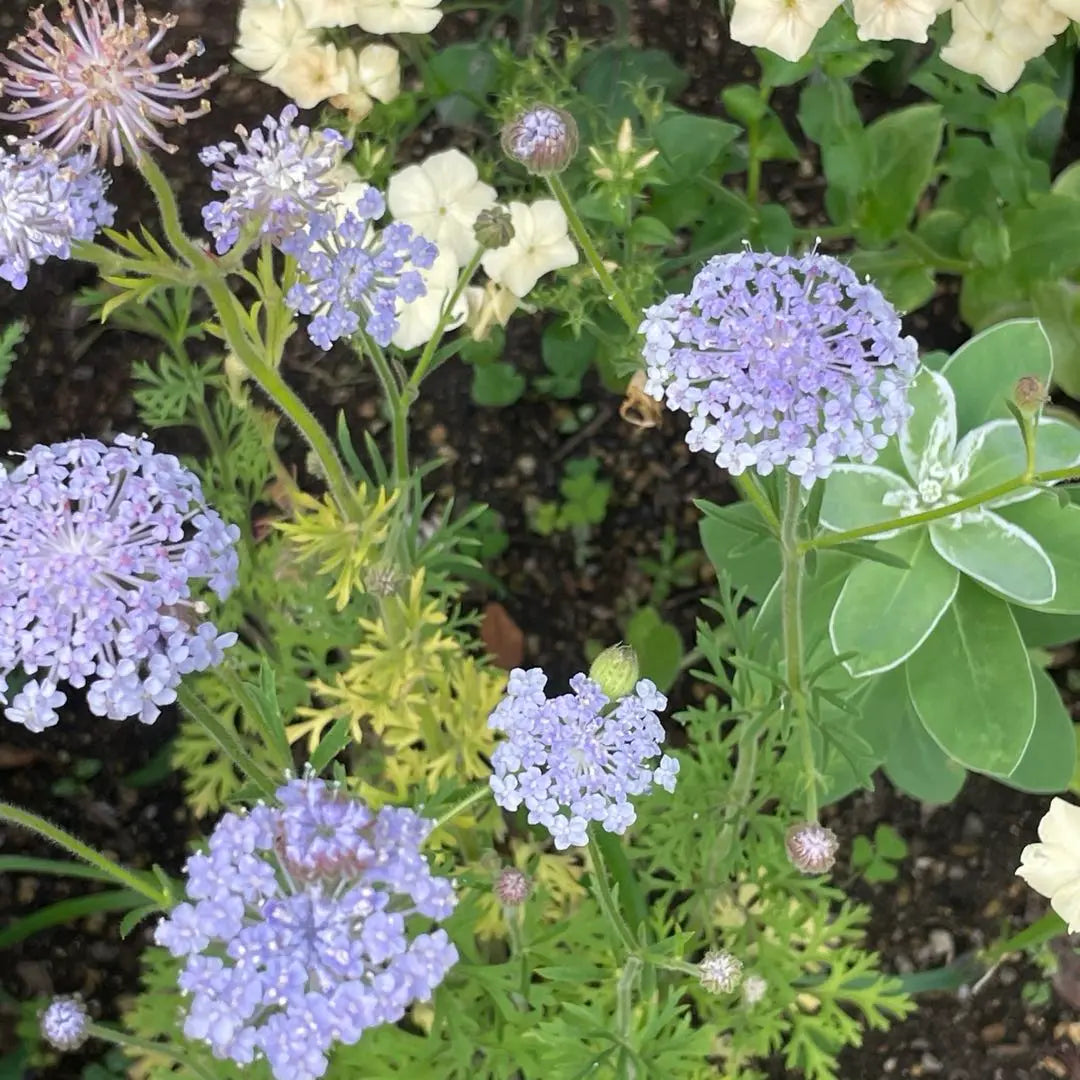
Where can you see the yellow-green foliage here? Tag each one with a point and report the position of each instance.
(345, 549)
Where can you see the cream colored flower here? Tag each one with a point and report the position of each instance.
(787, 27)
(398, 16)
(309, 75)
(1041, 16)
(440, 199)
(417, 320)
(985, 43)
(1069, 8)
(489, 306)
(323, 13)
(541, 243)
(887, 20)
(374, 72)
(267, 30)
(1052, 867)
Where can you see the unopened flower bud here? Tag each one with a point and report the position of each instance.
(719, 972)
(811, 847)
(1030, 395)
(382, 580)
(753, 989)
(544, 139)
(494, 228)
(615, 671)
(64, 1023)
(512, 887)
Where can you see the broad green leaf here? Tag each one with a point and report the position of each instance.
(750, 559)
(905, 279)
(497, 384)
(1040, 629)
(972, 686)
(997, 553)
(928, 438)
(1057, 304)
(984, 371)
(657, 644)
(689, 144)
(1056, 529)
(855, 494)
(883, 615)
(994, 453)
(917, 765)
(1050, 758)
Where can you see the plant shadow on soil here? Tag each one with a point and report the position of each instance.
(956, 888)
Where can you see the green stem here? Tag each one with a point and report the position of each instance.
(1006, 487)
(605, 897)
(624, 1012)
(791, 610)
(592, 256)
(463, 804)
(399, 409)
(933, 258)
(751, 491)
(196, 708)
(146, 1046)
(65, 840)
(169, 211)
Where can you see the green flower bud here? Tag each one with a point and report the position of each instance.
(616, 671)
(494, 228)
(1030, 395)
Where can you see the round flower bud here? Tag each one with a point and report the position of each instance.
(382, 580)
(719, 971)
(753, 989)
(64, 1023)
(1030, 395)
(811, 847)
(512, 887)
(615, 671)
(494, 228)
(544, 139)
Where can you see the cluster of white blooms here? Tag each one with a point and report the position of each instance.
(282, 41)
(990, 38)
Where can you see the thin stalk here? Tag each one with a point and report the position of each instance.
(1006, 487)
(624, 1012)
(605, 897)
(76, 847)
(751, 491)
(791, 611)
(182, 245)
(133, 1042)
(395, 398)
(463, 804)
(592, 256)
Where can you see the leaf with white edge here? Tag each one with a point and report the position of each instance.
(994, 453)
(1056, 529)
(928, 437)
(883, 615)
(984, 371)
(855, 496)
(998, 554)
(971, 683)
(917, 765)
(1050, 758)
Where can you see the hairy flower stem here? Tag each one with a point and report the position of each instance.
(624, 1014)
(605, 897)
(936, 513)
(147, 1046)
(791, 611)
(136, 882)
(592, 256)
(478, 794)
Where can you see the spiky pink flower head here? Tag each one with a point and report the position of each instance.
(92, 81)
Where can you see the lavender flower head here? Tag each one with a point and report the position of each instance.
(64, 1022)
(352, 275)
(279, 177)
(295, 934)
(781, 361)
(543, 139)
(573, 759)
(99, 548)
(45, 203)
(95, 82)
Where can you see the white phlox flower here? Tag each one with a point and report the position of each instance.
(787, 27)
(374, 73)
(541, 244)
(267, 30)
(418, 319)
(309, 75)
(1052, 866)
(490, 305)
(440, 198)
(398, 16)
(327, 13)
(887, 20)
(1042, 16)
(985, 42)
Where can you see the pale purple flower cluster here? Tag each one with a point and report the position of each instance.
(295, 936)
(544, 139)
(577, 758)
(99, 549)
(96, 82)
(64, 1023)
(781, 360)
(46, 202)
(349, 269)
(279, 177)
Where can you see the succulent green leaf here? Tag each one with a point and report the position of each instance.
(928, 439)
(1056, 529)
(917, 765)
(972, 686)
(855, 496)
(1050, 758)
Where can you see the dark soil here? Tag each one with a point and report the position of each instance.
(956, 890)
